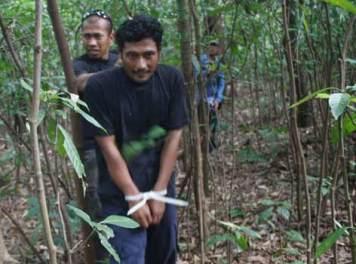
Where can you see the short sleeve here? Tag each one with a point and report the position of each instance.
(79, 67)
(94, 96)
(178, 113)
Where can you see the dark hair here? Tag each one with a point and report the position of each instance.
(97, 13)
(214, 43)
(138, 28)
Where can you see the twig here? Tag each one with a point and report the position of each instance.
(12, 50)
(27, 240)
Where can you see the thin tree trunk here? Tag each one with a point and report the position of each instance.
(75, 124)
(300, 154)
(203, 114)
(323, 167)
(186, 53)
(34, 135)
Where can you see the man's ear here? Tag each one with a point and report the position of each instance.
(112, 36)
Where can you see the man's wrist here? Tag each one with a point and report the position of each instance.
(130, 190)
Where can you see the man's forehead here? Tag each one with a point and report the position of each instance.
(95, 23)
(145, 45)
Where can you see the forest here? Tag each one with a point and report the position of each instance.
(278, 187)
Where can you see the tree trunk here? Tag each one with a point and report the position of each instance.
(34, 135)
(303, 115)
(295, 132)
(75, 124)
(186, 52)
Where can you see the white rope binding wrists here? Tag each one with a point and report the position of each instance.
(152, 195)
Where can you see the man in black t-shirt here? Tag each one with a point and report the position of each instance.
(129, 102)
(96, 36)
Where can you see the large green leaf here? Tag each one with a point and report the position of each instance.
(284, 212)
(344, 4)
(104, 230)
(295, 236)
(214, 239)
(73, 104)
(105, 243)
(26, 86)
(241, 241)
(349, 125)
(121, 221)
(328, 242)
(72, 153)
(338, 103)
(249, 232)
(83, 215)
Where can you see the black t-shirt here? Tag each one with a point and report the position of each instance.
(129, 110)
(84, 64)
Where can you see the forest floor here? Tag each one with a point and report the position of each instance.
(251, 188)
(251, 192)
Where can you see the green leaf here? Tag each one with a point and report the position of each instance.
(83, 215)
(344, 4)
(105, 243)
(237, 212)
(104, 230)
(328, 242)
(292, 251)
(215, 239)
(351, 61)
(230, 226)
(338, 103)
(249, 232)
(349, 128)
(59, 141)
(121, 221)
(72, 153)
(73, 105)
(156, 132)
(90, 119)
(322, 96)
(284, 212)
(295, 236)
(265, 215)
(268, 202)
(26, 86)
(52, 129)
(249, 155)
(310, 96)
(241, 241)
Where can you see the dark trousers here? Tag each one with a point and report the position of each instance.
(92, 201)
(213, 124)
(155, 245)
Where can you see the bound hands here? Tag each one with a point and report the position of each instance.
(149, 214)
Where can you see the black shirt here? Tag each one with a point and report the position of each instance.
(129, 110)
(84, 64)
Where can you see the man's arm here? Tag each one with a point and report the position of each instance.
(167, 163)
(81, 81)
(120, 174)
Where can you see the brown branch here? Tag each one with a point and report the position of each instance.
(13, 132)
(11, 47)
(23, 234)
(62, 44)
